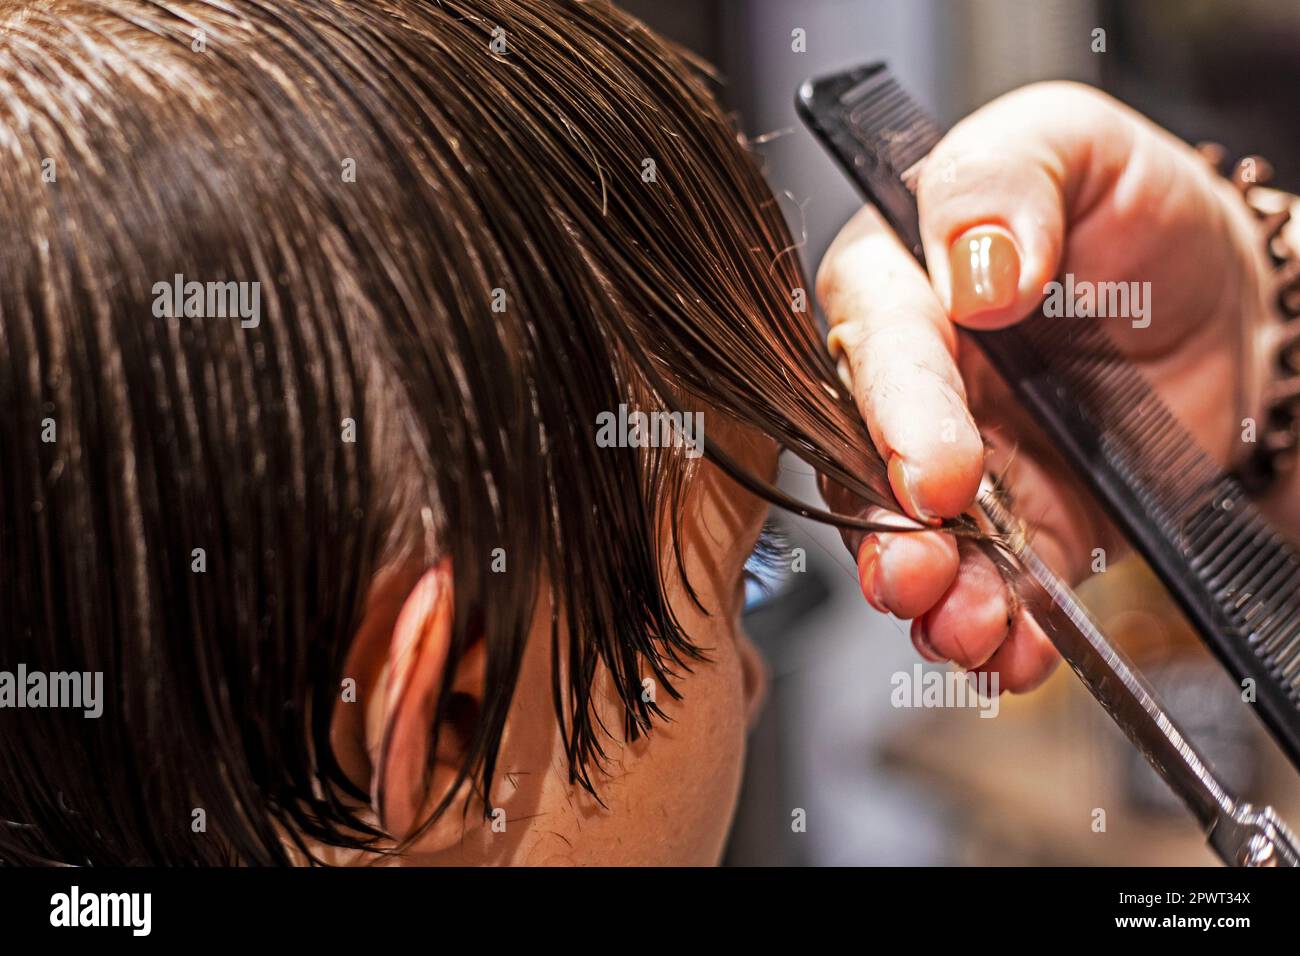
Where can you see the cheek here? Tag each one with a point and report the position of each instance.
(687, 773)
(665, 800)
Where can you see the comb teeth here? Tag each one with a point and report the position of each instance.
(1243, 564)
(1238, 581)
(900, 131)
(869, 106)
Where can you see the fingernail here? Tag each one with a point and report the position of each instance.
(985, 270)
(922, 642)
(869, 573)
(901, 481)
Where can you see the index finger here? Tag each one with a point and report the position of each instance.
(895, 339)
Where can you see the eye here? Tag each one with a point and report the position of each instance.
(768, 566)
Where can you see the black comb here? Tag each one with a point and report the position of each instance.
(1236, 579)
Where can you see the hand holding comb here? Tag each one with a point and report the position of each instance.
(1237, 580)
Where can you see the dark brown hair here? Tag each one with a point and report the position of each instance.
(387, 175)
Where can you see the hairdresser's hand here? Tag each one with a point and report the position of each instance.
(1049, 180)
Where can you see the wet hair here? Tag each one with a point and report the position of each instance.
(464, 252)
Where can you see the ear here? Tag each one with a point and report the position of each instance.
(408, 697)
(399, 729)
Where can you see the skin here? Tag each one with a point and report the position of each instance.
(1076, 183)
(668, 797)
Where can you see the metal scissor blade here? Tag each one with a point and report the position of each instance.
(1241, 834)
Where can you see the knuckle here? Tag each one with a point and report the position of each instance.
(1059, 98)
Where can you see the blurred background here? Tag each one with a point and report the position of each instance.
(1049, 780)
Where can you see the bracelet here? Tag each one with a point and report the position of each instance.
(1273, 453)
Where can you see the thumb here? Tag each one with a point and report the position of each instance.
(999, 192)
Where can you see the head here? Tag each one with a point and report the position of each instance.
(316, 320)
